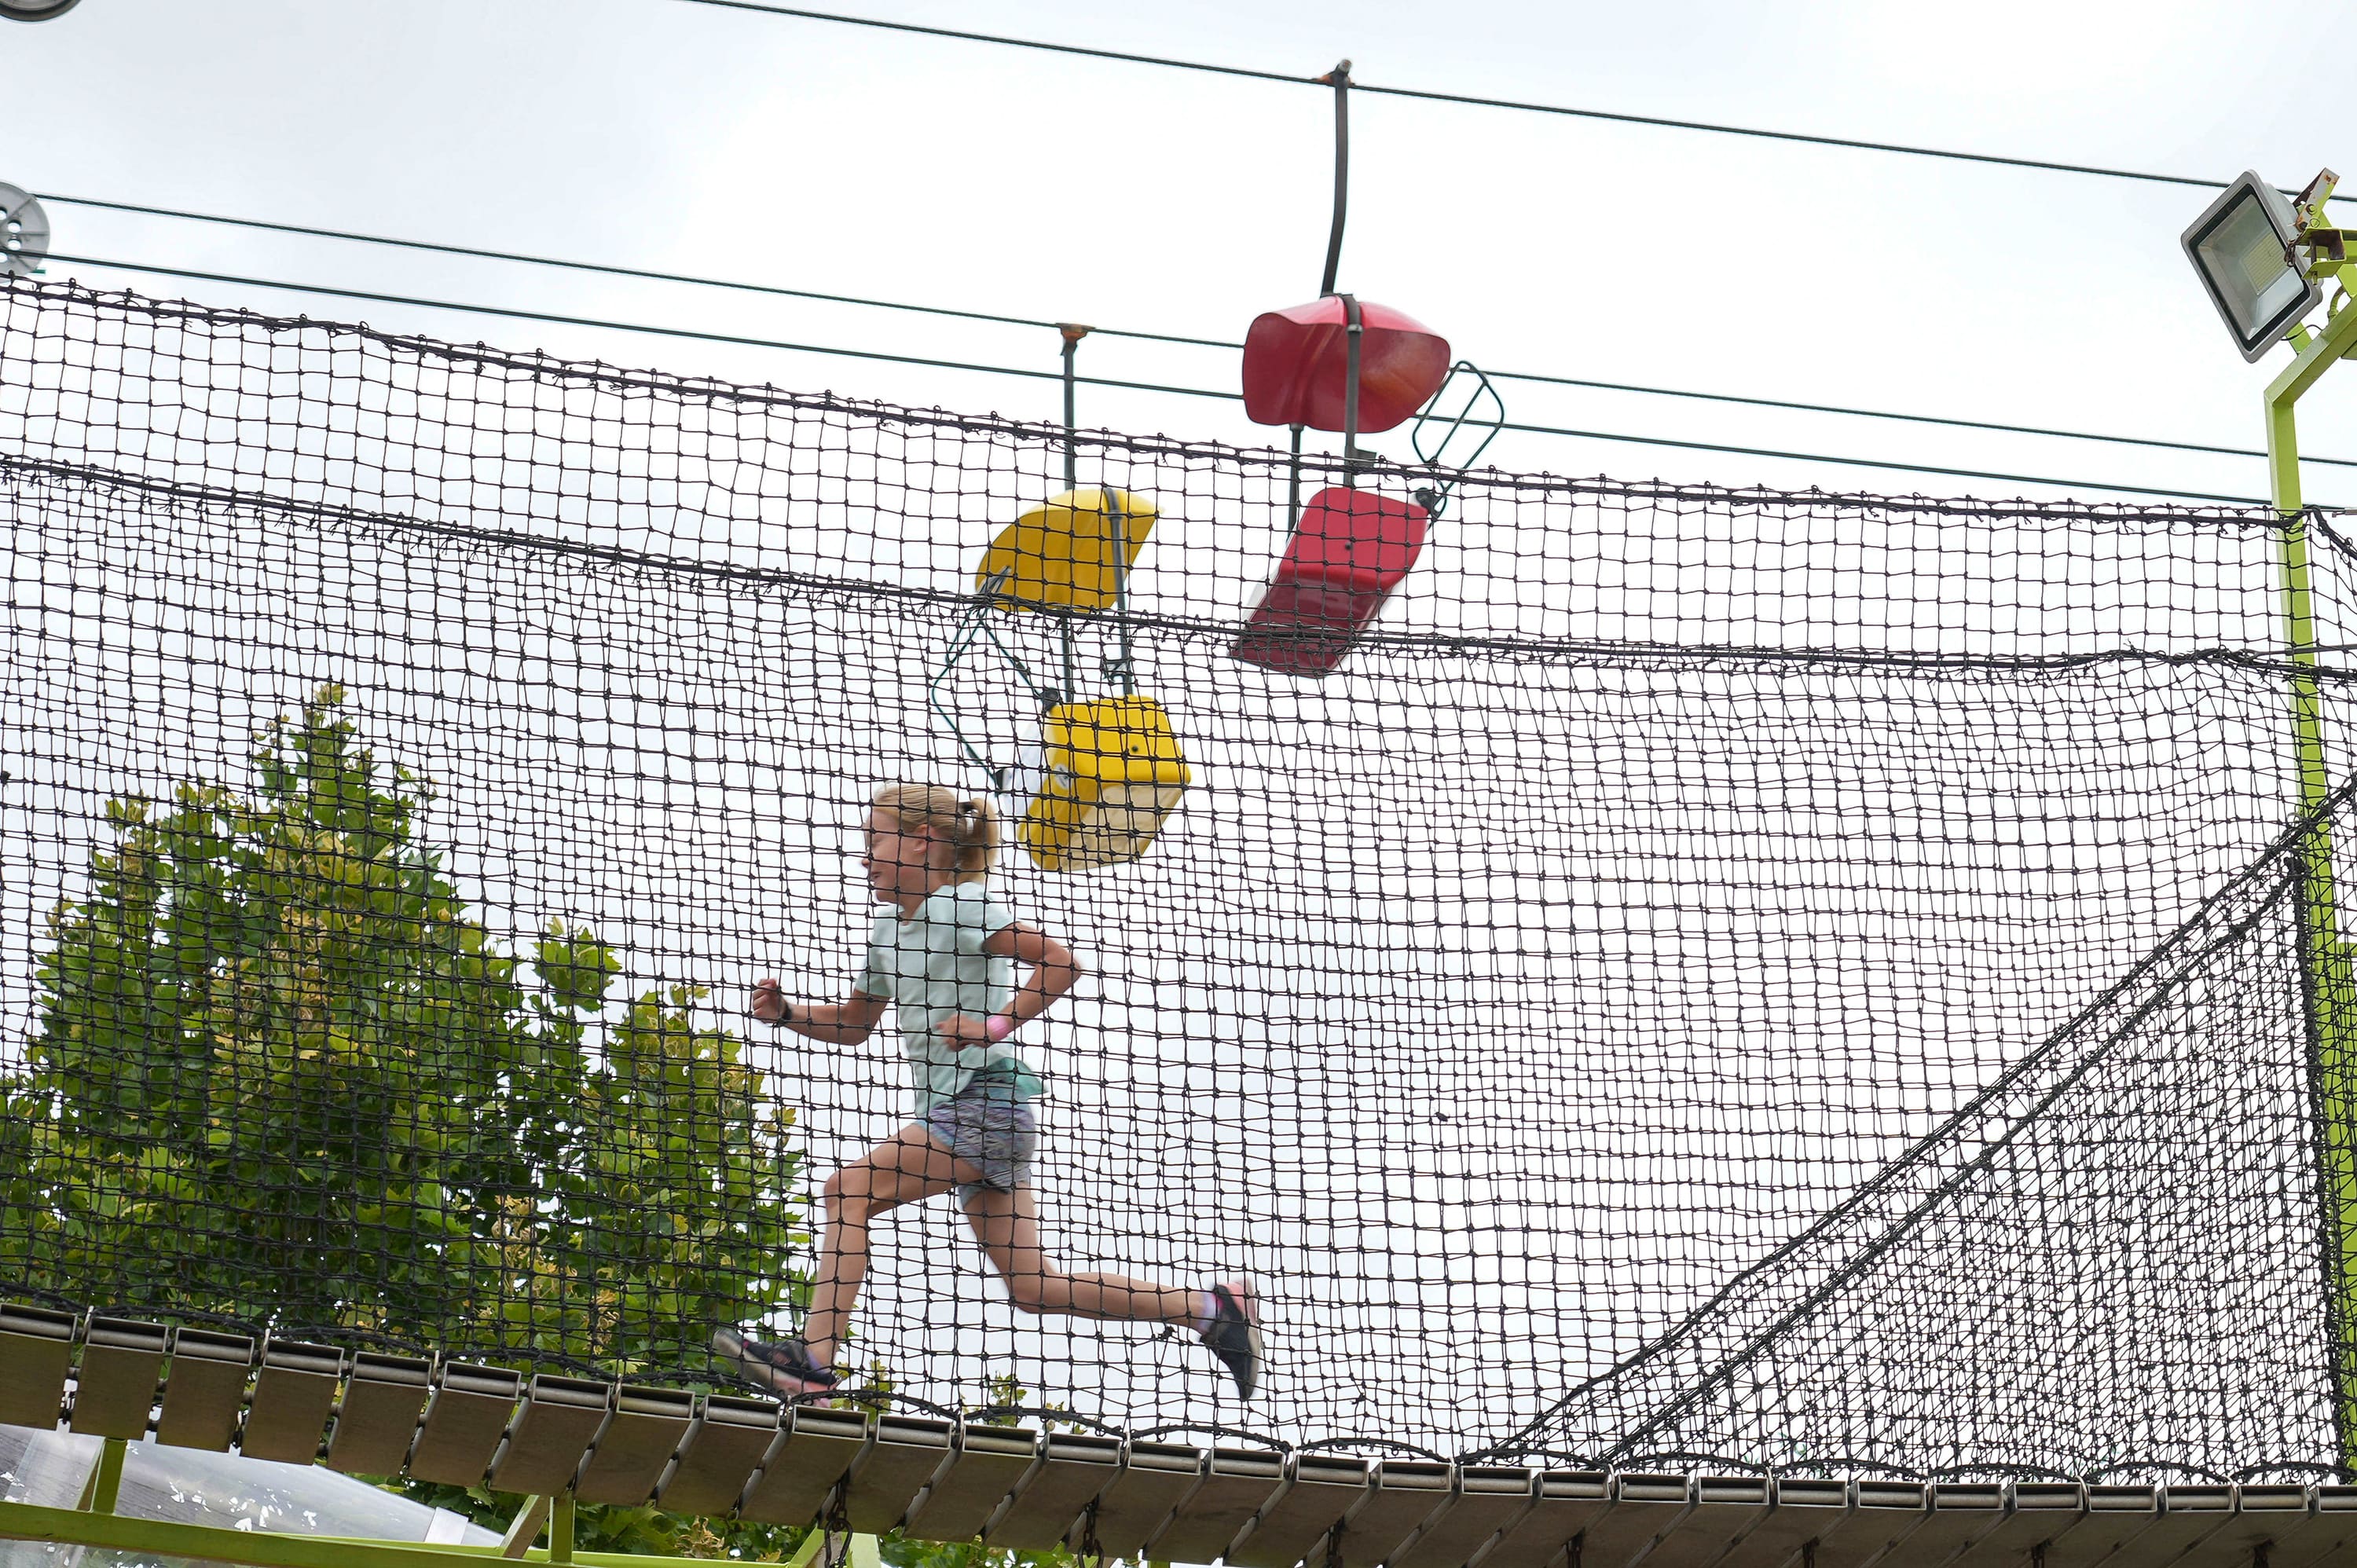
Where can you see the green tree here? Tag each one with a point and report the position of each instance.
(280, 1072)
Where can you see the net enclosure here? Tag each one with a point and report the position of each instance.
(1806, 981)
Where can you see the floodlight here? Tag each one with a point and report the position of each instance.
(2242, 247)
(35, 10)
(24, 233)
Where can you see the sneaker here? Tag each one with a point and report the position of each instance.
(784, 1364)
(1234, 1335)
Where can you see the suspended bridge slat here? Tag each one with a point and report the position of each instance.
(906, 1454)
(644, 1431)
(719, 1454)
(989, 1462)
(294, 1397)
(36, 1358)
(1155, 1479)
(544, 1451)
(1321, 1489)
(464, 1424)
(114, 1391)
(1236, 1485)
(204, 1389)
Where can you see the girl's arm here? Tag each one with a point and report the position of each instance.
(844, 1023)
(1054, 972)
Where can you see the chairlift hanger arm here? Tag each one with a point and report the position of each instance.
(1340, 79)
(1435, 496)
(974, 624)
(940, 711)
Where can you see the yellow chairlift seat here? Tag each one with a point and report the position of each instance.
(1075, 551)
(1112, 773)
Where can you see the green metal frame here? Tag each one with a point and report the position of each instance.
(96, 1523)
(2331, 979)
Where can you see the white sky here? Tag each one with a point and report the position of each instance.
(659, 133)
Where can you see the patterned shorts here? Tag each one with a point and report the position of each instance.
(991, 1128)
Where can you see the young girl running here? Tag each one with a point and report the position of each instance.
(944, 950)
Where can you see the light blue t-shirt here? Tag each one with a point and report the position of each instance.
(933, 966)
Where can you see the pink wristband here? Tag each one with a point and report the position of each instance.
(998, 1026)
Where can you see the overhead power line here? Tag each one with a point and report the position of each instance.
(1760, 132)
(1882, 463)
(1998, 426)
(686, 332)
(427, 303)
(607, 269)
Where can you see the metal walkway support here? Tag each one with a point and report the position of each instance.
(555, 1440)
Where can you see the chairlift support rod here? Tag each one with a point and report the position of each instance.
(1340, 78)
(1354, 335)
(1072, 333)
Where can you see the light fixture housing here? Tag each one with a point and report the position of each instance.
(36, 10)
(24, 233)
(2242, 247)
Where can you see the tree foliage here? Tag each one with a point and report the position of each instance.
(281, 1073)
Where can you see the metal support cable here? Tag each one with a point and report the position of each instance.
(1471, 100)
(610, 270)
(1999, 426)
(1057, 375)
(1881, 463)
(512, 313)
(605, 268)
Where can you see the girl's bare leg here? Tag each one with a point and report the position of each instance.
(1007, 1226)
(904, 1168)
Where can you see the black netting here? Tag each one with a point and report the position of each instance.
(1801, 979)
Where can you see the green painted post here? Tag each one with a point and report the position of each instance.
(2330, 983)
(813, 1541)
(560, 1530)
(105, 1483)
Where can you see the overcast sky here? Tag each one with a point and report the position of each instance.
(686, 138)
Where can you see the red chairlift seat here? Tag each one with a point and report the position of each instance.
(1351, 548)
(1296, 365)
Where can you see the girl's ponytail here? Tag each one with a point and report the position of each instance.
(970, 823)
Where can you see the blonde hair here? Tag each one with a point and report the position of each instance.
(967, 821)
